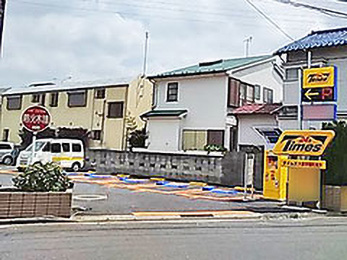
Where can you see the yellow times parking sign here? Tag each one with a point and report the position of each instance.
(303, 142)
(319, 77)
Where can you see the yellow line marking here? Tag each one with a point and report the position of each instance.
(195, 183)
(157, 179)
(193, 213)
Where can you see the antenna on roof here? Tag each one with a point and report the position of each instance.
(247, 42)
(145, 55)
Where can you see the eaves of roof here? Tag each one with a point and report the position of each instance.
(317, 39)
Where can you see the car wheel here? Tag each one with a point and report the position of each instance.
(7, 160)
(76, 167)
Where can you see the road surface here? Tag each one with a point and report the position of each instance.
(285, 239)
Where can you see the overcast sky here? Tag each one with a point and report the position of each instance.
(103, 39)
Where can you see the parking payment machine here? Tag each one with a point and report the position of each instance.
(298, 161)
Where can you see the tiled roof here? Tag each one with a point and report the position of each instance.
(257, 109)
(164, 113)
(213, 66)
(318, 39)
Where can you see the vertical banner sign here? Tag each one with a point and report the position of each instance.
(2, 22)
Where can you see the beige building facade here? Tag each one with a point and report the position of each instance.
(108, 110)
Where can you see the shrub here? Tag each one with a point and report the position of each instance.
(39, 177)
(214, 148)
(138, 138)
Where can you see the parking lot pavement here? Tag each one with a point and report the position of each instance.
(103, 195)
(123, 195)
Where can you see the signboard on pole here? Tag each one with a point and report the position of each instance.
(319, 85)
(303, 142)
(36, 118)
(319, 112)
(319, 77)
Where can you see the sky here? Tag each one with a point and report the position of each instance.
(79, 40)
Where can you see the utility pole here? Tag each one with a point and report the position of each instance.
(247, 42)
(145, 55)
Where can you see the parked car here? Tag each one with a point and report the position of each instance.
(68, 153)
(8, 153)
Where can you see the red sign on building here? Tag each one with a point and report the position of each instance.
(36, 118)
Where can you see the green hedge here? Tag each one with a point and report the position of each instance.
(336, 155)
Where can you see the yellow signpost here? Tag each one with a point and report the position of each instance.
(296, 179)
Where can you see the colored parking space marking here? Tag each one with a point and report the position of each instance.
(192, 190)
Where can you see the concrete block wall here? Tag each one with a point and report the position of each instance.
(225, 169)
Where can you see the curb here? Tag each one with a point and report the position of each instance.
(12, 221)
(165, 216)
(155, 216)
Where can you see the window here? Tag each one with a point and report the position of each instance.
(77, 99)
(43, 100)
(243, 90)
(215, 137)
(194, 139)
(198, 139)
(172, 92)
(66, 147)
(246, 94)
(115, 109)
(53, 99)
(100, 93)
(5, 147)
(257, 92)
(96, 134)
(35, 98)
(250, 94)
(268, 95)
(14, 102)
(234, 93)
(56, 148)
(47, 147)
(292, 74)
(76, 148)
(38, 98)
(5, 135)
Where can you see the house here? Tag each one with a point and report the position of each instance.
(193, 105)
(106, 110)
(317, 49)
(257, 126)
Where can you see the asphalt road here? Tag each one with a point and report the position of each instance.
(300, 239)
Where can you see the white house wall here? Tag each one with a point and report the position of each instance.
(246, 133)
(204, 98)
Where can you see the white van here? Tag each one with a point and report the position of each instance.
(68, 153)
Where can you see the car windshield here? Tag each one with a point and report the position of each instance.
(38, 146)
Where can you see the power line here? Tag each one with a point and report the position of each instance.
(269, 20)
(135, 14)
(322, 10)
